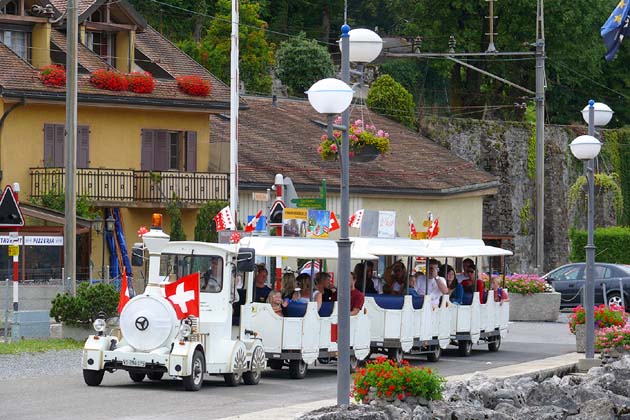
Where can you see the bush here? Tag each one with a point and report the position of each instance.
(205, 226)
(89, 301)
(613, 245)
(604, 317)
(390, 98)
(385, 379)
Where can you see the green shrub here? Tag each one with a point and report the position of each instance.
(89, 301)
(612, 243)
(388, 97)
(206, 227)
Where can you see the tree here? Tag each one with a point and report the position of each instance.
(206, 227)
(255, 52)
(177, 231)
(300, 62)
(390, 98)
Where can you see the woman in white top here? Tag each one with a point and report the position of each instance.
(436, 285)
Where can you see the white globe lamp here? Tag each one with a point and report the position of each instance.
(603, 114)
(585, 147)
(330, 96)
(365, 45)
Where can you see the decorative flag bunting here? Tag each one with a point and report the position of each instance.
(433, 230)
(184, 295)
(355, 220)
(334, 223)
(412, 227)
(251, 225)
(224, 219)
(124, 292)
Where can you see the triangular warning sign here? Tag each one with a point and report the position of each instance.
(10, 213)
(275, 214)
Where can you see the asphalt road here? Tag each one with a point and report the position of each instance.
(65, 396)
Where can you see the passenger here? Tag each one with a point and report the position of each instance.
(305, 291)
(395, 276)
(357, 298)
(435, 286)
(261, 290)
(277, 304)
(368, 286)
(466, 264)
(288, 286)
(212, 278)
(413, 278)
(469, 283)
(455, 289)
(322, 285)
(500, 294)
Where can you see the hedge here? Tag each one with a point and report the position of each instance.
(612, 245)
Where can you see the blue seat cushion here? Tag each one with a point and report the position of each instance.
(417, 302)
(326, 309)
(296, 309)
(467, 299)
(388, 301)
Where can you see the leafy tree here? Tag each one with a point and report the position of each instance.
(177, 230)
(255, 52)
(388, 97)
(172, 19)
(206, 227)
(301, 62)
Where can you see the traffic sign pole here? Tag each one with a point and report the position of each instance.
(16, 255)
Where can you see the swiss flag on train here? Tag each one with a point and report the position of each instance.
(412, 227)
(184, 295)
(124, 292)
(224, 219)
(433, 230)
(251, 225)
(334, 223)
(355, 220)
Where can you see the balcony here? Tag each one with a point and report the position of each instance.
(129, 188)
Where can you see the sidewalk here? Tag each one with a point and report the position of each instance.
(538, 368)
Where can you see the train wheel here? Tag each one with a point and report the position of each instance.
(354, 363)
(251, 377)
(275, 364)
(297, 369)
(495, 344)
(465, 348)
(93, 377)
(396, 354)
(435, 355)
(155, 376)
(136, 376)
(195, 380)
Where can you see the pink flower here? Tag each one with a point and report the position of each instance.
(351, 153)
(357, 131)
(324, 137)
(358, 122)
(319, 150)
(338, 120)
(380, 133)
(353, 137)
(142, 230)
(333, 148)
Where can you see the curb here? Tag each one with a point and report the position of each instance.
(537, 369)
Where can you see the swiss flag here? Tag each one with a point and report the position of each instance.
(124, 292)
(334, 223)
(412, 227)
(355, 220)
(251, 225)
(433, 230)
(224, 219)
(184, 295)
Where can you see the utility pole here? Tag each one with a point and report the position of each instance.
(234, 100)
(540, 137)
(491, 18)
(70, 148)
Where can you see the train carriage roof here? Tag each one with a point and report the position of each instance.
(448, 247)
(272, 246)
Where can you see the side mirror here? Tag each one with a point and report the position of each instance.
(137, 255)
(245, 261)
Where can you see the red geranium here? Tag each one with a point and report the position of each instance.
(53, 75)
(109, 80)
(140, 82)
(193, 85)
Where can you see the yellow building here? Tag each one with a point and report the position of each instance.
(135, 151)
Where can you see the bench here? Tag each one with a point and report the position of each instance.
(395, 302)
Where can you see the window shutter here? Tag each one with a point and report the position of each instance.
(49, 145)
(60, 137)
(147, 150)
(83, 146)
(162, 151)
(191, 151)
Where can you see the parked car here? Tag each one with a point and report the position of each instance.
(569, 280)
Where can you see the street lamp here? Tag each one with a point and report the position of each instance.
(109, 227)
(586, 148)
(98, 227)
(332, 96)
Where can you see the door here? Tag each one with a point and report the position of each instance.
(568, 281)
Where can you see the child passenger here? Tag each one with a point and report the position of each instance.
(500, 294)
(277, 304)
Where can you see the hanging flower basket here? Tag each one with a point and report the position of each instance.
(140, 82)
(366, 142)
(53, 75)
(193, 85)
(109, 80)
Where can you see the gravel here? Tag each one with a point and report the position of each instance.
(28, 365)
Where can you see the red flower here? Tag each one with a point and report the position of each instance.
(193, 85)
(53, 75)
(142, 230)
(109, 80)
(401, 396)
(139, 82)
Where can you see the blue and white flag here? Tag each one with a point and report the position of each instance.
(616, 27)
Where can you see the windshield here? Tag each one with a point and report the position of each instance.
(209, 267)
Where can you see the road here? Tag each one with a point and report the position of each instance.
(65, 396)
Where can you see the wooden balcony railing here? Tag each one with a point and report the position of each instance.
(127, 185)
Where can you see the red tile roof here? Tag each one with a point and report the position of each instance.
(62, 5)
(284, 139)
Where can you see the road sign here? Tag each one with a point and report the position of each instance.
(14, 250)
(310, 203)
(275, 214)
(10, 213)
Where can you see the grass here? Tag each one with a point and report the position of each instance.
(39, 346)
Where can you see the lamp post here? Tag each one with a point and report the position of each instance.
(109, 227)
(586, 148)
(98, 226)
(331, 97)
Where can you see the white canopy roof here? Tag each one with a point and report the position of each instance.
(447, 247)
(271, 246)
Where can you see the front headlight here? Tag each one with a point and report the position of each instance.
(99, 324)
(185, 330)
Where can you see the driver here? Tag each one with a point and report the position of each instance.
(211, 278)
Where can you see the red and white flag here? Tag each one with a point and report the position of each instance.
(184, 295)
(433, 230)
(334, 223)
(412, 227)
(124, 292)
(224, 219)
(355, 220)
(251, 225)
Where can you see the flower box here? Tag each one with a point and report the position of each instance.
(53, 75)
(535, 307)
(193, 85)
(109, 80)
(140, 82)
(366, 142)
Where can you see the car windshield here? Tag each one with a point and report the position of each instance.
(209, 267)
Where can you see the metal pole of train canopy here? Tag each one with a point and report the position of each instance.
(70, 152)
(234, 100)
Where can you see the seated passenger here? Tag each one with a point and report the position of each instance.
(261, 290)
(212, 278)
(412, 285)
(365, 277)
(305, 291)
(322, 285)
(277, 304)
(470, 282)
(435, 286)
(455, 289)
(500, 294)
(357, 298)
(288, 286)
(395, 276)
(466, 264)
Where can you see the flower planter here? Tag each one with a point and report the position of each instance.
(367, 154)
(535, 307)
(580, 338)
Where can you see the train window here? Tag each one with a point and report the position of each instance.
(209, 267)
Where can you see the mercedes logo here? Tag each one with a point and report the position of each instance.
(142, 323)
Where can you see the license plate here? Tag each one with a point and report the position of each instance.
(134, 363)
